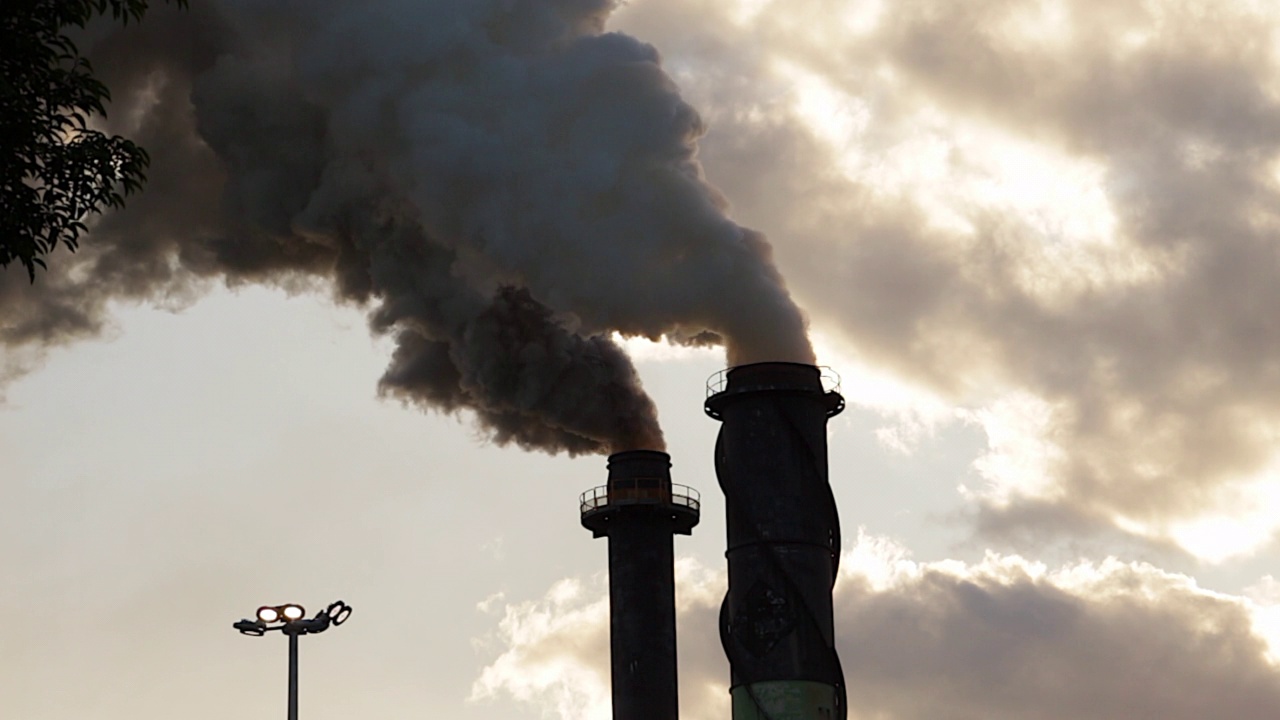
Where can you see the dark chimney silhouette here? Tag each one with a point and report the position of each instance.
(639, 511)
(776, 622)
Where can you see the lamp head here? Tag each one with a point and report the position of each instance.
(290, 619)
(338, 612)
(281, 613)
(256, 628)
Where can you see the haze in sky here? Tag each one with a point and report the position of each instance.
(1037, 239)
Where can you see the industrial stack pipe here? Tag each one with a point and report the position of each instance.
(639, 511)
(776, 622)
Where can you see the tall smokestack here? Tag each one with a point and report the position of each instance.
(784, 540)
(638, 511)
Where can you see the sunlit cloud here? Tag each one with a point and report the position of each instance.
(1085, 639)
(643, 349)
(1240, 526)
(1053, 217)
(556, 653)
(1021, 454)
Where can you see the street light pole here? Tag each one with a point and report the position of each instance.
(293, 676)
(291, 620)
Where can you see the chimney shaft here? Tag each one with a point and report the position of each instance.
(638, 511)
(776, 622)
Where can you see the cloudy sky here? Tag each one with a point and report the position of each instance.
(1036, 238)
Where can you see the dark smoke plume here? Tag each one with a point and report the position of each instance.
(501, 182)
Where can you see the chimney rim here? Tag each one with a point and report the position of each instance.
(824, 382)
(638, 454)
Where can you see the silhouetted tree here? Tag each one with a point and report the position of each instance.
(55, 169)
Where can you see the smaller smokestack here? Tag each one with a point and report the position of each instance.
(639, 511)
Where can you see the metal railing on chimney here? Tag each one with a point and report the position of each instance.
(638, 492)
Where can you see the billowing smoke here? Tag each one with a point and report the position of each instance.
(501, 182)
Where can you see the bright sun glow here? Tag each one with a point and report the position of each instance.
(743, 12)
(1021, 454)
(957, 169)
(860, 17)
(911, 412)
(833, 116)
(1238, 529)
(1039, 23)
(641, 349)
(1265, 595)
(1231, 529)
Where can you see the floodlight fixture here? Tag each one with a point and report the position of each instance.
(338, 612)
(251, 627)
(291, 619)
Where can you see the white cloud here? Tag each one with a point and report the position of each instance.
(556, 653)
(1003, 637)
